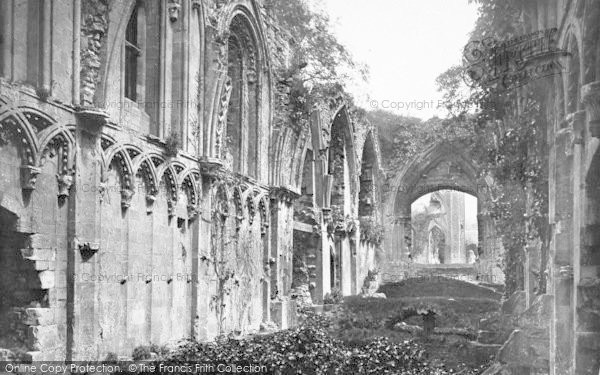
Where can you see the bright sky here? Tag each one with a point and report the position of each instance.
(407, 44)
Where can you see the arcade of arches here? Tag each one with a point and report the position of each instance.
(118, 209)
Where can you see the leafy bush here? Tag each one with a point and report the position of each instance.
(141, 352)
(333, 297)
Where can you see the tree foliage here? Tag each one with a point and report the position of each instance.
(509, 141)
(320, 66)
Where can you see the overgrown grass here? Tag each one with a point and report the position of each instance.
(437, 286)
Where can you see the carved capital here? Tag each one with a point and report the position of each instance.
(173, 8)
(29, 175)
(590, 96)
(283, 194)
(327, 214)
(150, 199)
(211, 167)
(196, 4)
(576, 122)
(126, 196)
(171, 208)
(264, 228)
(92, 119)
(192, 211)
(65, 181)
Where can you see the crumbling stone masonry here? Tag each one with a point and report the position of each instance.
(150, 187)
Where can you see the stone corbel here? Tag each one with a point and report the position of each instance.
(211, 167)
(102, 188)
(92, 119)
(327, 214)
(29, 175)
(264, 229)
(87, 249)
(126, 196)
(576, 121)
(65, 181)
(284, 194)
(170, 208)
(173, 8)
(251, 76)
(196, 4)
(192, 211)
(150, 199)
(590, 96)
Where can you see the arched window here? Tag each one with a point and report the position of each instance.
(366, 194)
(242, 143)
(141, 61)
(573, 78)
(132, 52)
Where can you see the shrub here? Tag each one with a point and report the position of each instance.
(333, 297)
(141, 352)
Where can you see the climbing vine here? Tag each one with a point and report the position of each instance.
(320, 66)
(508, 130)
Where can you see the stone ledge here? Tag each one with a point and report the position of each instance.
(38, 317)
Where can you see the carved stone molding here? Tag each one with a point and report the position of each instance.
(196, 4)
(171, 208)
(29, 175)
(576, 122)
(192, 211)
(65, 181)
(590, 96)
(211, 167)
(283, 194)
(126, 196)
(150, 199)
(92, 119)
(173, 8)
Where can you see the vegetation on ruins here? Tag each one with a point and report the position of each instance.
(504, 133)
(320, 65)
(509, 142)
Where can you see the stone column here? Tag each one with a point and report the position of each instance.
(282, 221)
(586, 270)
(590, 96)
(565, 157)
(6, 22)
(84, 238)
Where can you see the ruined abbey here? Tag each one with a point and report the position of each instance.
(153, 186)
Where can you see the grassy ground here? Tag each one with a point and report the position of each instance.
(437, 286)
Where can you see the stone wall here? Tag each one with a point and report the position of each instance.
(125, 222)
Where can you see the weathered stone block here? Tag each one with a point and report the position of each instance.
(526, 348)
(39, 316)
(38, 254)
(43, 337)
(46, 279)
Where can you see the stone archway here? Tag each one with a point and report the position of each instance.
(442, 167)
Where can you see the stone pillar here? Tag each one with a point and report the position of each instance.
(590, 96)
(586, 270)
(565, 156)
(84, 238)
(6, 55)
(282, 221)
